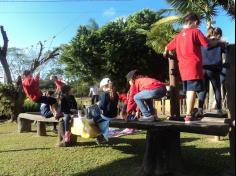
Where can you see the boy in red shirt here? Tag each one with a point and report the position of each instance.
(142, 90)
(33, 92)
(58, 83)
(188, 48)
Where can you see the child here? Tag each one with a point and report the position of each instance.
(188, 48)
(212, 65)
(108, 105)
(123, 99)
(46, 111)
(57, 82)
(142, 90)
(68, 107)
(33, 92)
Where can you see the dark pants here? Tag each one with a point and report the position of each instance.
(212, 76)
(95, 99)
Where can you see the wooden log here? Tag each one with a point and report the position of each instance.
(163, 154)
(230, 87)
(24, 125)
(41, 129)
(174, 88)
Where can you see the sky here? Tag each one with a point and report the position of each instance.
(55, 21)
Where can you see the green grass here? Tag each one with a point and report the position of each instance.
(26, 154)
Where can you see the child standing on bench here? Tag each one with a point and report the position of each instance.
(142, 90)
(108, 105)
(31, 88)
(68, 107)
(188, 48)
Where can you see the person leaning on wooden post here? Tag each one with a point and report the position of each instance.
(31, 88)
(188, 48)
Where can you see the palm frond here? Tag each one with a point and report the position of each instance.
(168, 21)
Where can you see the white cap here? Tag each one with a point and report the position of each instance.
(105, 81)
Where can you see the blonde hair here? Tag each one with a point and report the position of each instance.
(111, 90)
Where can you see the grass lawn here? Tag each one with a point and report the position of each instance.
(26, 154)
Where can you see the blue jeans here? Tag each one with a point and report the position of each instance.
(144, 100)
(103, 124)
(213, 77)
(67, 119)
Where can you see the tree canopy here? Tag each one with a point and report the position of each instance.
(113, 50)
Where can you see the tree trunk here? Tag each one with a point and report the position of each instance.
(3, 55)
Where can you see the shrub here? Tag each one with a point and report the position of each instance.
(30, 106)
(8, 97)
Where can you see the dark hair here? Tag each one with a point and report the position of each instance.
(50, 92)
(191, 17)
(132, 74)
(65, 89)
(218, 31)
(27, 73)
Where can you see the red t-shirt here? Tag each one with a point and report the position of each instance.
(31, 88)
(140, 85)
(59, 84)
(123, 98)
(188, 48)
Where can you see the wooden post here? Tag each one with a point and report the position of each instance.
(24, 125)
(174, 88)
(41, 129)
(230, 87)
(163, 153)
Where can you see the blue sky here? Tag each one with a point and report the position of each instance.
(27, 23)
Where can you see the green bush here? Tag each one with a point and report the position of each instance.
(30, 106)
(8, 97)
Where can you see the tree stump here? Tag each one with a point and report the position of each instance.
(163, 154)
(41, 129)
(24, 125)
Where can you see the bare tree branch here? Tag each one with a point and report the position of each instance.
(3, 55)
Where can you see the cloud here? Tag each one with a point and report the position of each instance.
(110, 12)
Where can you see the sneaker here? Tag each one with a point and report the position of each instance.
(190, 119)
(67, 136)
(101, 140)
(173, 118)
(198, 113)
(150, 118)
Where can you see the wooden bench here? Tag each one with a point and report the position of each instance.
(163, 148)
(25, 120)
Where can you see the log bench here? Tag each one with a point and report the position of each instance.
(163, 148)
(25, 120)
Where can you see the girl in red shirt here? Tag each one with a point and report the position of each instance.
(142, 90)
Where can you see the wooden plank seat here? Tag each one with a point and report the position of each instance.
(25, 120)
(163, 147)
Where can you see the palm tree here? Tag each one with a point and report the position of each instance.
(228, 5)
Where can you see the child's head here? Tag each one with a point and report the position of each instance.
(218, 33)
(50, 93)
(131, 76)
(210, 32)
(107, 86)
(66, 90)
(27, 74)
(192, 20)
(53, 77)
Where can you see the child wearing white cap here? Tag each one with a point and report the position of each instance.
(108, 105)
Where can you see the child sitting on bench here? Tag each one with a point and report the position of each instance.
(46, 112)
(31, 88)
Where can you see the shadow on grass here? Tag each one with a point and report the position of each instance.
(22, 150)
(197, 161)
